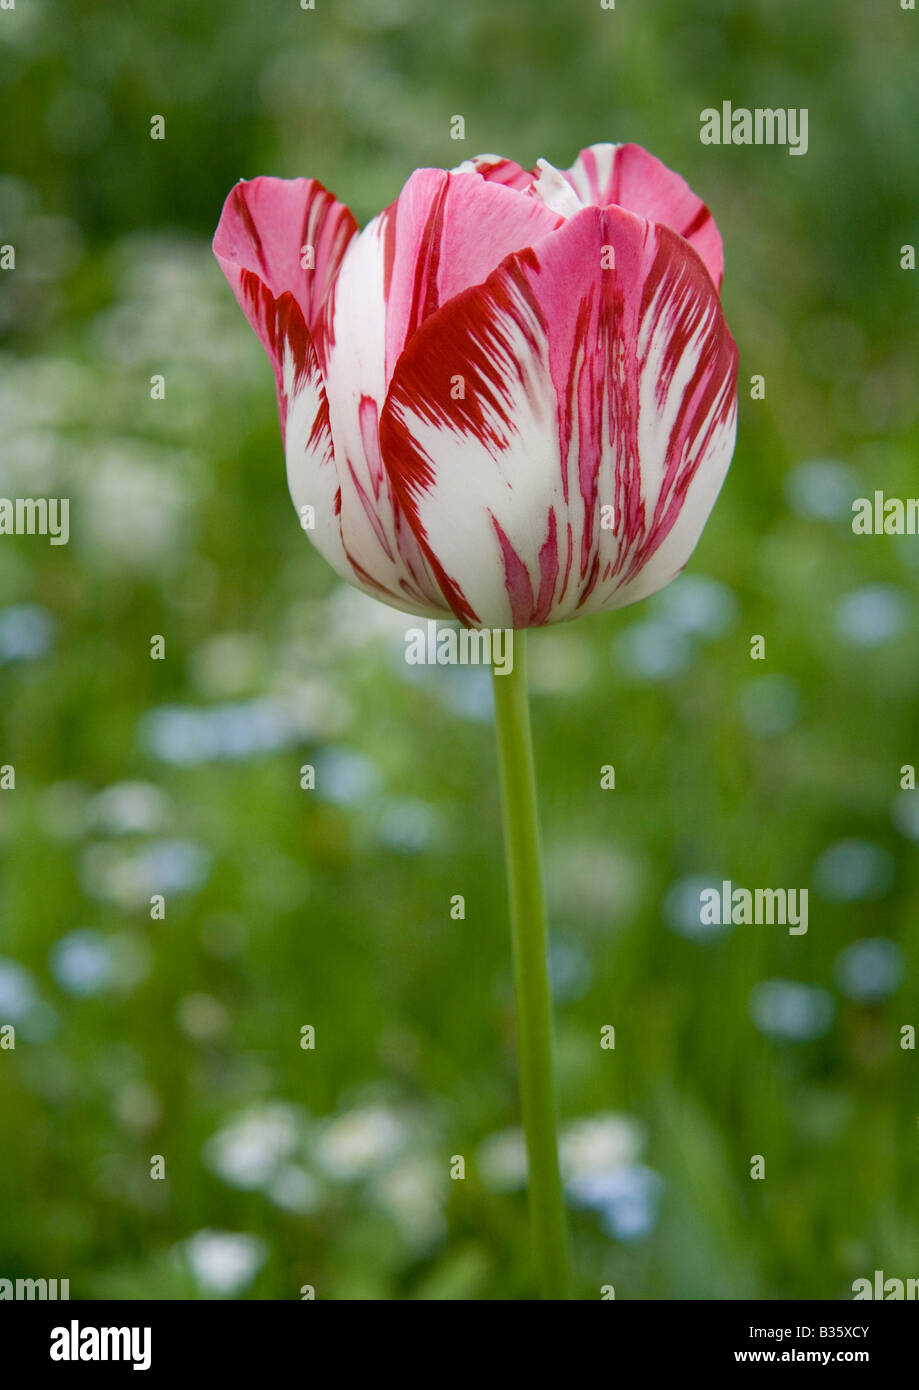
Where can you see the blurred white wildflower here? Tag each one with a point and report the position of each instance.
(594, 879)
(224, 1262)
(130, 808)
(137, 1106)
(627, 1199)
(871, 616)
(790, 1011)
(38, 396)
(822, 489)
(202, 1018)
(870, 970)
(169, 308)
(128, 876)
(359, 1143)
(682, 908)
(294, 1189)
(354, 619)
(228, 664)
(136, 502)
(853, 871)
(408, 825)
(18, 993)
(413, 1193)
(698, 606)
(569, 969)
(905, 814)
(599, 1143)
(252, 1149)
(26, 633)
(186, 736)
(502, 1160)
(82, 963)
(86, 963)
(653, 650)
(345, 776)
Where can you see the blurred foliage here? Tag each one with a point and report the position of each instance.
(138, 1037)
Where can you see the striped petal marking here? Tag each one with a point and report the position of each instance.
(625, 176)
(599, 380)
(261, 244)
(282, 287)
(444, 233)
(496, 169)
(628, 176)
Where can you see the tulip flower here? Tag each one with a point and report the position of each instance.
(511, 399)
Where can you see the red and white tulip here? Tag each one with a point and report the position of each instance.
(512, 396)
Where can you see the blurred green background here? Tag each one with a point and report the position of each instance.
(180, 1037)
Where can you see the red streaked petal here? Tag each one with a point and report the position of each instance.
(312, 473)
(312, 476)
(583, 388)
(496, 169)
(449, 231)
(376, 536)
(443, 233)
(261, 239)
(629, 177)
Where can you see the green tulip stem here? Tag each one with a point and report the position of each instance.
(529, 937)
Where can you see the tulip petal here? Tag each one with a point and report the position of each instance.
(443, 233)
(597, 372)
(554, 189)
(496, 169)
(312, 476)
(446, 232)
(259, 243)
(287, 235)
(312, 473)
(628, 176)
(385, 553)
